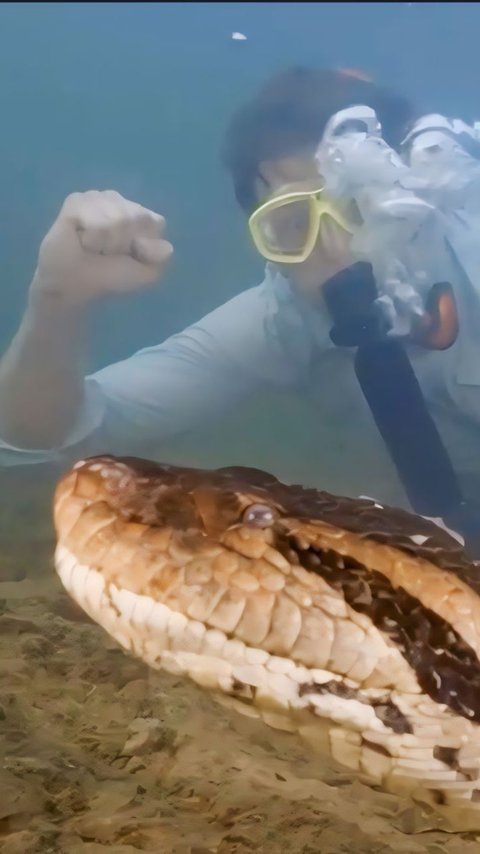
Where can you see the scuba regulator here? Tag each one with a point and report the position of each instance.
(386, 300)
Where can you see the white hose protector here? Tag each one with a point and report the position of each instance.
(404, 204)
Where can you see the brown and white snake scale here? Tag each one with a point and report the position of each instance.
(352, 624)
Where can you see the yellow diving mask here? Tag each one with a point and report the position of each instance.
(285, 228)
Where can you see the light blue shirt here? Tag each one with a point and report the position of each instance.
(268, 338)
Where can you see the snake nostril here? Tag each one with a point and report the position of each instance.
(259, 516)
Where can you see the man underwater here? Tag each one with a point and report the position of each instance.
(276, 336)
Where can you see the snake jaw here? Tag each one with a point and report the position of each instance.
(362, 620)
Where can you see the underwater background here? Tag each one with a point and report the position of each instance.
(135, 97)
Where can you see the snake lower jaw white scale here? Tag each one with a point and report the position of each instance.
(354, 625)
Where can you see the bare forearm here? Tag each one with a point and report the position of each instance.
(41, 375)
(100, 245)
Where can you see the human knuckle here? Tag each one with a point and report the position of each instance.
(113, 195)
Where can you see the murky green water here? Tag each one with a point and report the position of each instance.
(97, 753)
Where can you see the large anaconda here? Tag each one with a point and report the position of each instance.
(358, 620)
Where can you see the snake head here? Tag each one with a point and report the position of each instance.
(310, 608)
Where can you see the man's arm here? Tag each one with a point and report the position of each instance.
(100, 244)
(166, 391)
(196, 376)
(41, 375)
(188, 381)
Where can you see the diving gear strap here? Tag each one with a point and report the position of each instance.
(392, 391)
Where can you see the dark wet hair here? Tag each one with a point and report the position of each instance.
(289, 115)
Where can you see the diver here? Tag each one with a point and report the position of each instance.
(297, 332)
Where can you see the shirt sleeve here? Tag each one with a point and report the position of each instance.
(169, 389)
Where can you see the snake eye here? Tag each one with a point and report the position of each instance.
(259, 516)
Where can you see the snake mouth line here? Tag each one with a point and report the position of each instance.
(364, 730)
(447, 668)
(169, 640)
(326, 617)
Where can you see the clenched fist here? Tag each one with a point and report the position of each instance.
(101, 244)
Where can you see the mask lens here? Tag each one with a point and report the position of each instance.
(287, 228)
